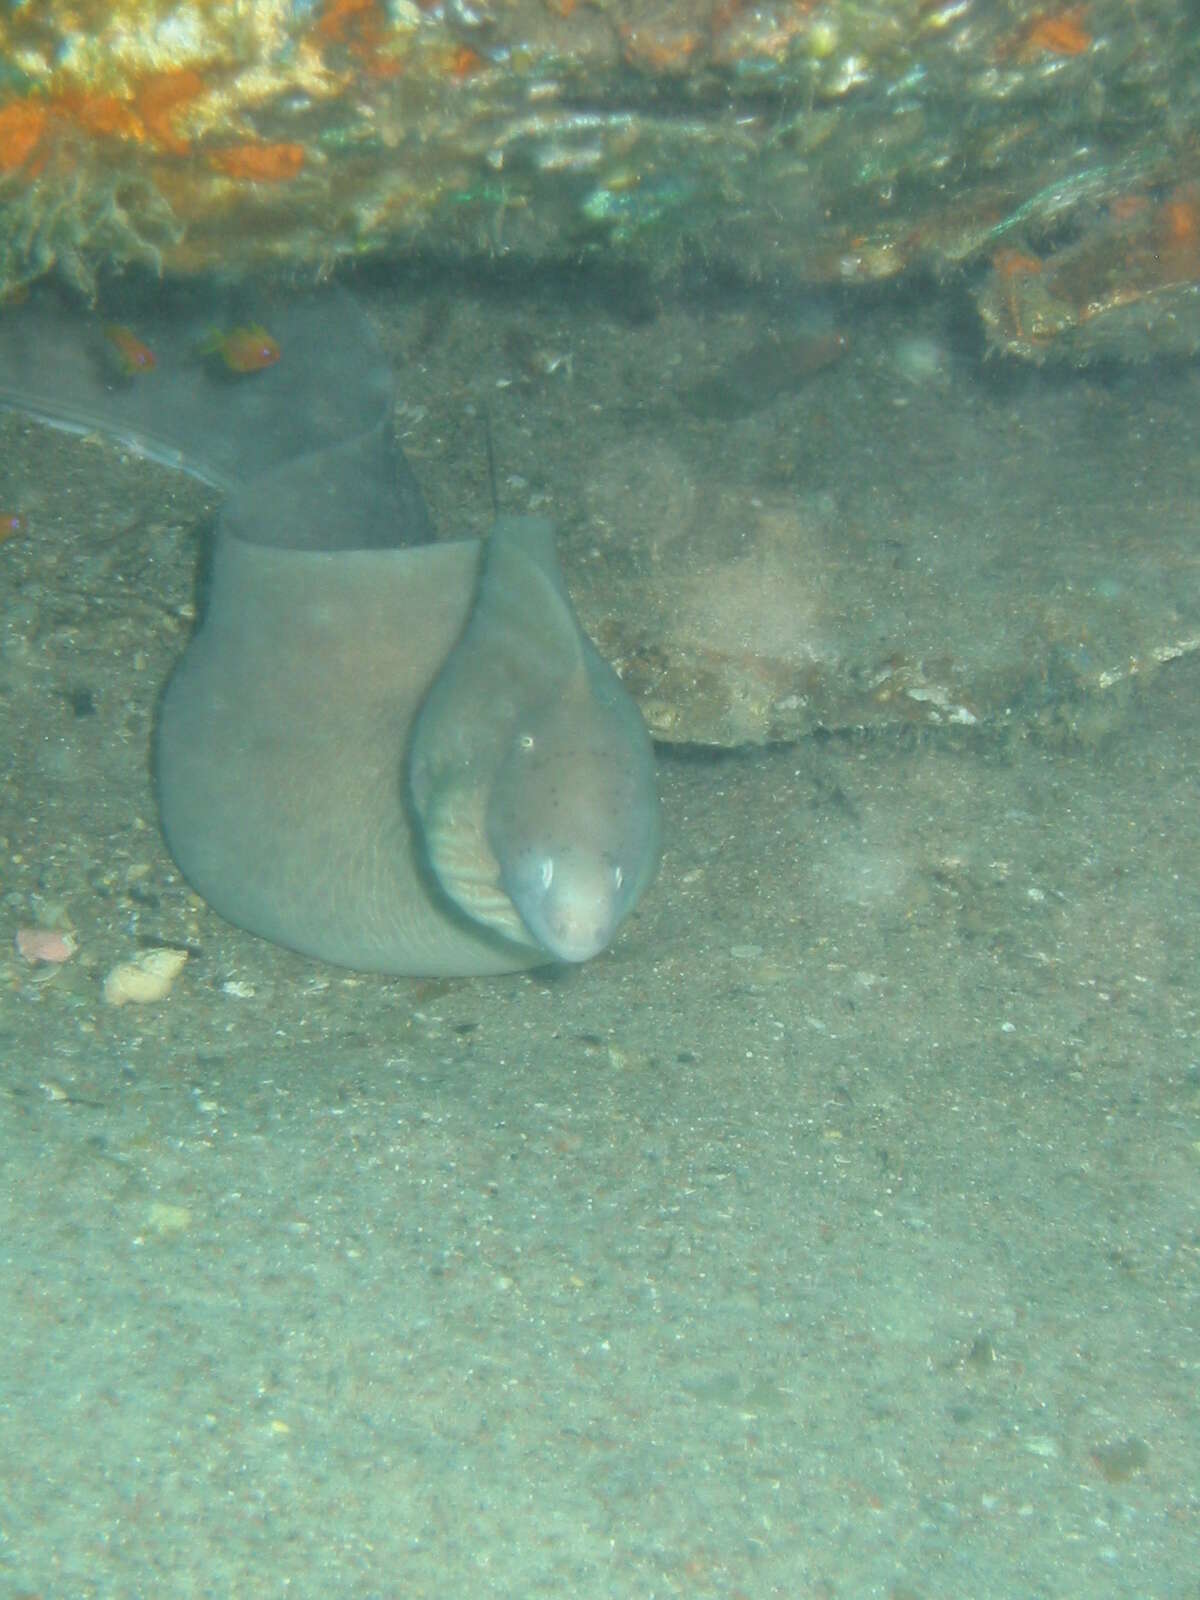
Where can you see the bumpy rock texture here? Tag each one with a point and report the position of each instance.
(849, 142)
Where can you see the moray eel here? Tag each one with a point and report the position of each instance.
(396, 755)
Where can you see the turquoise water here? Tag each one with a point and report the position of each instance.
(834, 1233)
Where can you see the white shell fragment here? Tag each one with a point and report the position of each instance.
(147, 977)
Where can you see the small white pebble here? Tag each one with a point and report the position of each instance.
(146, 978)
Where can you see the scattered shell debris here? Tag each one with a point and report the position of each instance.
(147, 977)
(238, 989)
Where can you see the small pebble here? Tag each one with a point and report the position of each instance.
(45, 944)
(147, 977)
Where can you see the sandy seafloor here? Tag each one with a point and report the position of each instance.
(834, 1235)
